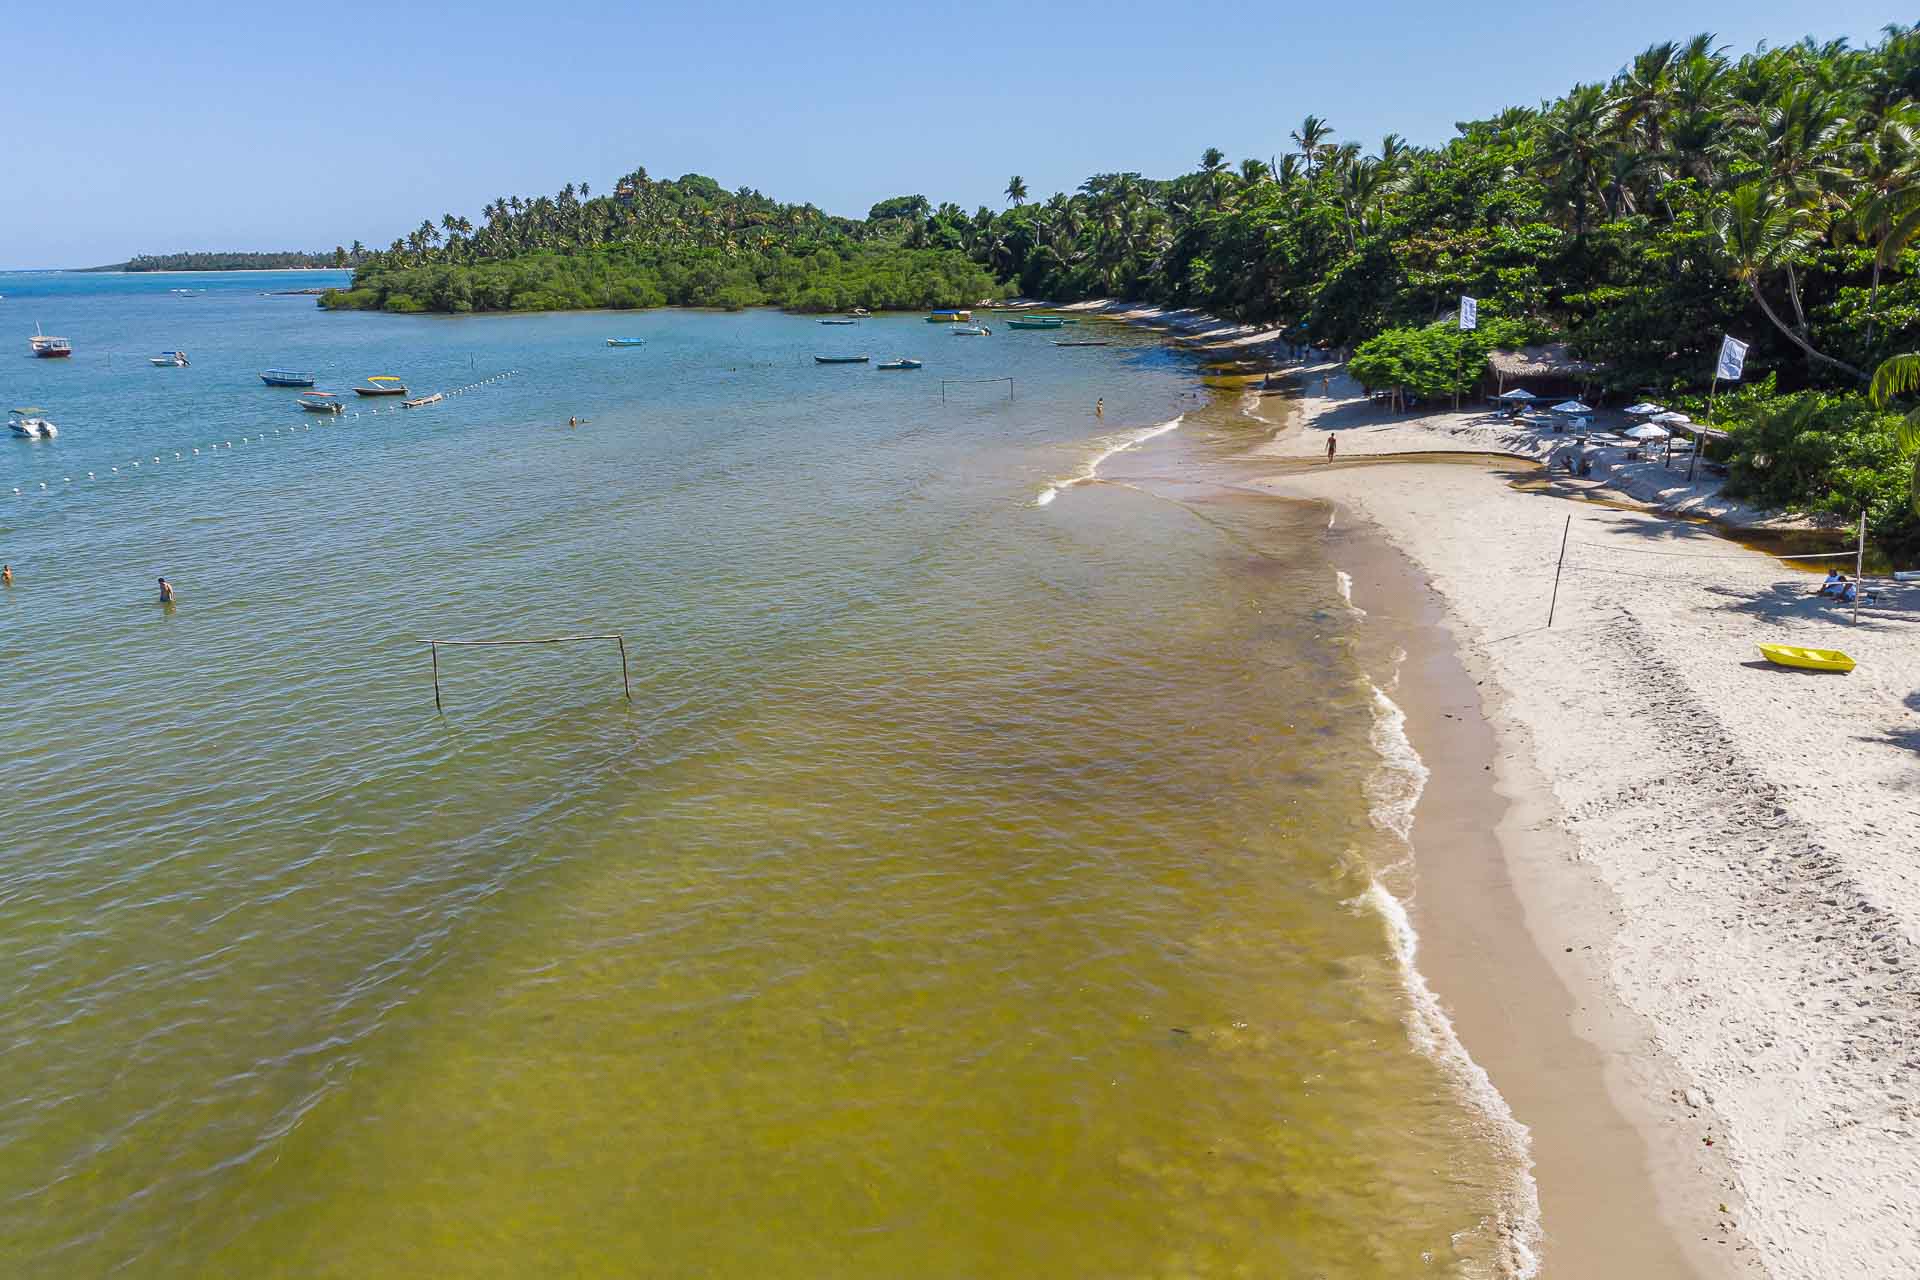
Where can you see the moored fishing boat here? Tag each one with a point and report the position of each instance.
(949, 316)
(626, 342)
(169, 360)
(381, 384)
(859, 313)
(48, 348)
(1793, 655)
(1093, 342)
(29, 424)
(422, 401)
(840, 359)
(1036, 322)
(286, 378)
(321, 402)
(839, 322)
(904, 362)
(971, 331)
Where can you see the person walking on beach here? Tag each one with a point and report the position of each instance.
(1331, 442)
(166, 592)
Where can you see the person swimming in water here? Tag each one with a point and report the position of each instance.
(166, 592)
(6, 575)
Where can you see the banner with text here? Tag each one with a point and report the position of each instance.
(1469, 312)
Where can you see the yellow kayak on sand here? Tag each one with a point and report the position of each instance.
(1793, 655)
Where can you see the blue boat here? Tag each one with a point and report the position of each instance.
(626, 342)
(282, 378)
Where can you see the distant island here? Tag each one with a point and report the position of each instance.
(290, 260)
(684, 242)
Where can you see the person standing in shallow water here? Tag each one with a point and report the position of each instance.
(1100, 407)
(166, 592)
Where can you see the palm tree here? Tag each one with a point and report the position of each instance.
(1213, 172)
(1016, 190)
(1254, 172)
(1757, 233)
(1573, 147)
(1900, 376)
(1309, 137)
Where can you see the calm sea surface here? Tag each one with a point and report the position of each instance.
(973, 887)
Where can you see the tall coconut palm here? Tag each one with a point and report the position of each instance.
(1309, 138)
(1016, 190)
(1759, 232)
(1573, 148)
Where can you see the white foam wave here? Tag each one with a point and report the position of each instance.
(1345, 583)
(1394, 791)
(1395, 787)
(1130, 440)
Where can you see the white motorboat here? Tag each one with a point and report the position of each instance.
(29, 425)
(169, 359)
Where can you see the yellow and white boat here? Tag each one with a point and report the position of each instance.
(1793, 655)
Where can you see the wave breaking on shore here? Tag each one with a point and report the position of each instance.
(1129, 440)
(1393, 794)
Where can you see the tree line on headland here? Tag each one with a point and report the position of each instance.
(289, 260)
(1774, 196)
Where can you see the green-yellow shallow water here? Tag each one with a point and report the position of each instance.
(970, 888)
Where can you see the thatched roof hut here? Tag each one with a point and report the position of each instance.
(1551, 363)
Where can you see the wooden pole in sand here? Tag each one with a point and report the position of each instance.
(1556, 570)
(436, 676)
(1859, 566)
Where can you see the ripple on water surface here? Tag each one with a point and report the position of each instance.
(969, 888)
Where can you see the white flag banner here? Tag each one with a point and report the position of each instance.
(1469, 312)
(1733, 359)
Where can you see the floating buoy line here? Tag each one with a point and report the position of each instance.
(287, 432)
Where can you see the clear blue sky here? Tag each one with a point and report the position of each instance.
(153, 128)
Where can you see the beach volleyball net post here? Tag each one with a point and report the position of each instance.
(968, 382)
(434, 647)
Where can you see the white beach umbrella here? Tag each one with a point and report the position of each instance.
(1518, 393)
(1572, 406)
(1647, 431)
(1672, 419)
(1644, 409)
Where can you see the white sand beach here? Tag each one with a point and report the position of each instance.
(1756, 830)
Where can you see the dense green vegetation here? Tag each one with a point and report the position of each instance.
(687, 242)
(287, 261)
(1774, 196)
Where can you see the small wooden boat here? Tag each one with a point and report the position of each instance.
(840, 359)
(1036, 322)
(948, 316)
(1093, 342)
(971, 331)
(422, 401)
(321, 402)
(286, 378)
(1793, 655)
(169, 360)
(860, 313)
(839, 322)
(626, 342)
(381, 384)
(902, 363)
